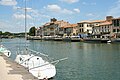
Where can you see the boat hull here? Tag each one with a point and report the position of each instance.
(37, 66)
(5, 51)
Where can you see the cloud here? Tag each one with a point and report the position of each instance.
(90, 14)
(37, 14)
(77, 10)
(70, 1)
(57, 9)
(6, 26)
(53, 8)
(8, 2)
(92, 3)
(21, 16)
(115, 9)
(22, 9)
(33, 13)
(3, 25)
(66, 11)
(16, 7)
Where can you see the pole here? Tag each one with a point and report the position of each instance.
(25, 22)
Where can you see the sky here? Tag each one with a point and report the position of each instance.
(40, 12)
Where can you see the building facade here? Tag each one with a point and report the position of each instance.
(70, 29)
(52, 28)
(116, 27)
(85, 28)
(110, 27)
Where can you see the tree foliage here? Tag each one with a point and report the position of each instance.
(32, 31)
(0, 32)
(7, 33)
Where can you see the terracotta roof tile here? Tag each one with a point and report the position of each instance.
(105, 23)
(94, 21)
(116, 18)
(69, 26)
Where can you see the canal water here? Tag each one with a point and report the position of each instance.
(86, 61)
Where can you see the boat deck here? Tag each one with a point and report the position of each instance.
(10, 70)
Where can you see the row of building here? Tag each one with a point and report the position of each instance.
(108, 28)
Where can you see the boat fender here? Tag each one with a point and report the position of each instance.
(8, 54)
(37, 58)
(20, 59)
(45, 78)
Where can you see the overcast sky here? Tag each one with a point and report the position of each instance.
(41, 11)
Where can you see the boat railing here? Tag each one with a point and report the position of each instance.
(34, 53)
(53, 62)
(44, 56)
(37, 52)
(27, 59)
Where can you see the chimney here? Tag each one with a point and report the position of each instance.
(53, 20)
(109, 18)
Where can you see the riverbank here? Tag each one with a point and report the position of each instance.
(10, 70)
(66, 39)
(75, 39)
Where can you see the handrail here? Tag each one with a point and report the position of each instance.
(27, 59)
(56, 61)
(37, 52)
(33, 55)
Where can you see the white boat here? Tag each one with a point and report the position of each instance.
(109, 41)
(5, 51)
(36, 65)
(41, 68)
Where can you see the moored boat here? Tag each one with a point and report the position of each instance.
(36, 65)
(5, 51)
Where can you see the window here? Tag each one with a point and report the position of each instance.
(82, 30)
(114, 30)
(117, 22)
(105, 26)
(81, 25)
(114, 22)
(118, 30)
(90, 25)
(87, 25)
(51, 28)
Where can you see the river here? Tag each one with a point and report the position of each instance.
(86, 61)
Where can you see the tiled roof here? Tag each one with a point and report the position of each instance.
(46, 24)
(56, 22)
(69, 26)
(105, 23)
(98, 21)
(94, 21)
(116, 18)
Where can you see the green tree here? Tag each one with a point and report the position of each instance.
(32, 31)
(7, 33)
(0, 32)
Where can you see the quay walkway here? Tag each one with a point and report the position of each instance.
(10, 70)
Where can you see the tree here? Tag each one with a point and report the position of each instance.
(0, 32)
(32, 31)
(7, 33)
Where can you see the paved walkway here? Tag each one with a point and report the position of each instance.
(10, 70)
